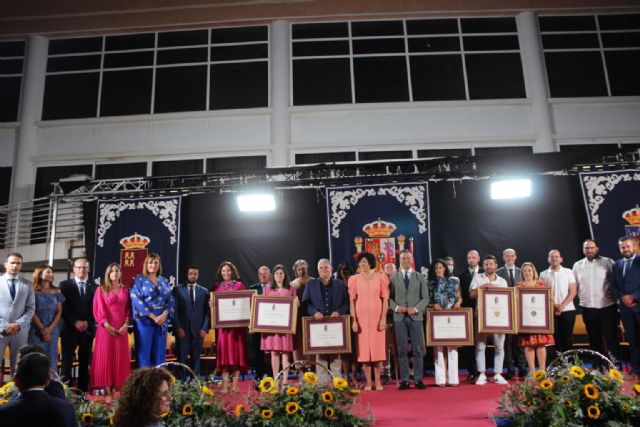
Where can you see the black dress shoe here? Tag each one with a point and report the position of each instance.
(510, 375)
(472, 378)
(404, 386)
(420, 385)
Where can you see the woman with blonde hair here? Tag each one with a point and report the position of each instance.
(110, 365)
(44, 329)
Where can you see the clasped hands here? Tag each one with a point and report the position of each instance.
(629, 301)
(408, 310)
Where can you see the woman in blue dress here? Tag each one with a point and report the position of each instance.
(44, 329)
(151, 304)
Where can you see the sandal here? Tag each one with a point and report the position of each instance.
(367, 388)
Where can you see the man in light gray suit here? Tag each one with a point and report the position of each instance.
(17, 306)
(409, 298)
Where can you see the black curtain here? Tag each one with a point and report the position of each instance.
(464, 217)
(213, 230)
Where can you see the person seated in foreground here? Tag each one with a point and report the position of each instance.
(55, 387)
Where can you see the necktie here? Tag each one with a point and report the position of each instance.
(81, 287)
(511, 279)
(406, 280)
(473, 273)
(627, 267)
(12, 288)
(192, 294)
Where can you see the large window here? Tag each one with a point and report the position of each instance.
(11, 64)
(406, 60)
(591, 55)
(194, 70)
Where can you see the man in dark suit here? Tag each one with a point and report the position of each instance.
(326, 297)
(34, 407)
(409, 296)
(260, 366)
(468, 354)
(54, 388)
(626, 287)
(512, 350)
(191, 319)
(78, 326)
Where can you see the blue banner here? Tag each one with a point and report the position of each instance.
(129, 229)
(382, 219)
(611, 200)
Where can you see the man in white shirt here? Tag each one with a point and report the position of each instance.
(487, 280)
(599, 311)
(564, 289)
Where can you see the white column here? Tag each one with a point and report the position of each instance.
(536, 81)
(280, 93)
(30, 113)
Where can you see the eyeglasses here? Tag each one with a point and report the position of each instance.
(80, 268)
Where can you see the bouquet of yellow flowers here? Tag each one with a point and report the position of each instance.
(6, 391)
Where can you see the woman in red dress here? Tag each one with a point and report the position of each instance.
(111, 362)
(534, 344)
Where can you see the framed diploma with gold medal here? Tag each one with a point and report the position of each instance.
(496, 314)
(330, 335)
(273, 314)
(450, 327)
(231, 309)
(535, 310)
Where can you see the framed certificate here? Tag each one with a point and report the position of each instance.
(535, 310)
(331, 335)
(273, 314)
(231, 309)
(450, 327)
(496, 314)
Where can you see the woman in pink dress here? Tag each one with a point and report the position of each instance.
(111, 362)
(369, 297)
(231, 350)
(279, 344)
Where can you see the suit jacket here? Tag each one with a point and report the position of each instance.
(312, 300)
(21, 309)
(465, 282)
(192, 317)
(416, 295)
(629, 285)
(517, 274)
(257, 287)
(76, 308)
(36, 408)
(54, 389)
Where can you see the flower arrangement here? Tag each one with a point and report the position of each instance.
(6, 391)
(570, 395)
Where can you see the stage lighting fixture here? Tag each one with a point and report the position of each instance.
(511, 189)
(256, 202)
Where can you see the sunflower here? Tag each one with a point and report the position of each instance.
(577, 372)
(550, 398)
(565, 378)
(112, 419)
(327, 397)
(87, 418)
(568, 404)
(614, 374)
(340, 383)
(7, 389)
(636, 388)
(266, 384)
(187, 410)
(291, 408)
(292, 391)
(206, 390)
(329, 412)
(591, 391)
(354, 391)
(173, 379)
(546, 385)
(626, 408)
(593, 412)
(239, 409)
(539, 375)
(310, 377)
(267, 414)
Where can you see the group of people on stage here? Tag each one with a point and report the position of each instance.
(82, 313)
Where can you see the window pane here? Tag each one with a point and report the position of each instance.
(312, 158)
(130, 41)
(73, 63)
(240, 85)
(177, 167)
(121, 170)
(132, 59)
(460, 152)
(70, 96)
(491, 43)
(434, 44)
(93, 44)
(381, 79)
(315, 31)
(322, 48)
(619, 22)
(575, 74)
(623, 68)
(502, 151)
(45, 176)
(183, 38)
(321, 81)
(621, 39)
(567, 23)
(378, 46)
(10, 90)
(488, 25)
(384, 155)
(10, 66)
(230, 53)
(182, 56)
(568, 41)
(432, 26)
(239, 35)
(231, 164)
(181, 89)
(11, 49)
(376, 28)
(495, 76)
(126, 92)
(437, 77)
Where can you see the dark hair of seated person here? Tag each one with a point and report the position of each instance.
(30, 348)
(33, 371)
(139, 396)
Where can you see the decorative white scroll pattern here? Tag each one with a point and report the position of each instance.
(598, 186)
(165, 209)
(412, 196)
